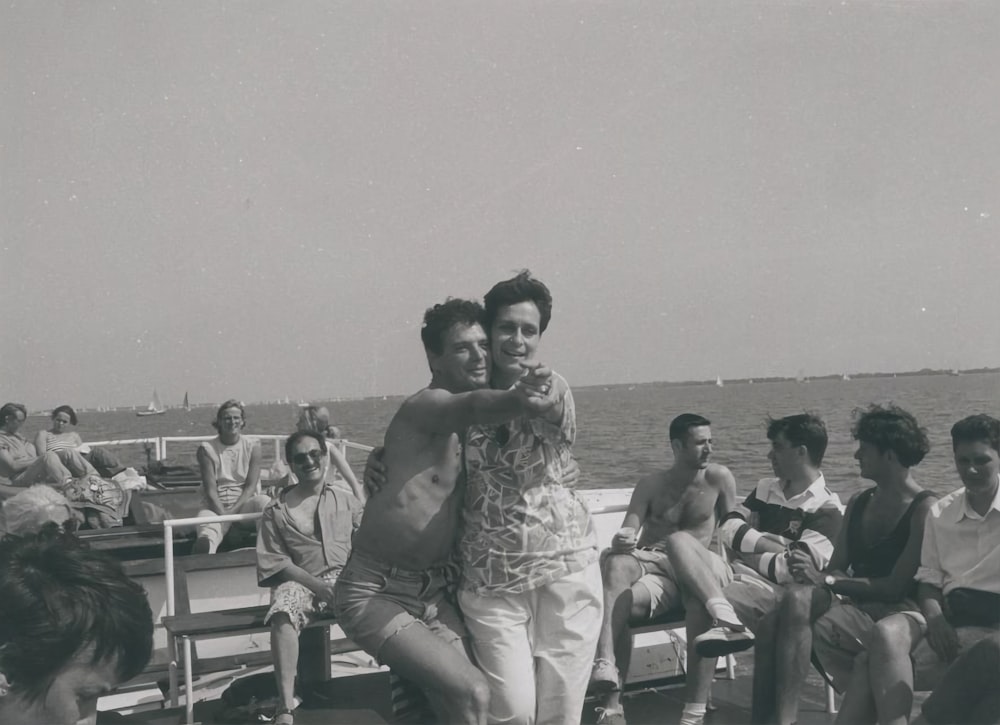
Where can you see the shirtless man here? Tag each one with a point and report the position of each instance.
(393, 597)
(670, 565)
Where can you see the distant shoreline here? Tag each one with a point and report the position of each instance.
(726, 381)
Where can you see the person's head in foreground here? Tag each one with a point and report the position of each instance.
(976, 444)
(456, 346)
(691, 440)
(72, 628)
(798, 444)
(888, 437)
(518, 311)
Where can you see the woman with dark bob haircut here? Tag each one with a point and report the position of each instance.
(73, 627)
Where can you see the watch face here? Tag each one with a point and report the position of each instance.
(829, 580)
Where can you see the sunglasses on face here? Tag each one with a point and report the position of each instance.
(301, 459)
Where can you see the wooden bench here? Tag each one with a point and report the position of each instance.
(184, 628)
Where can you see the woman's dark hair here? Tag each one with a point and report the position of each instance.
(67, 410)
(59, 598)
(890, 428)
(298, 435)
(522, 288)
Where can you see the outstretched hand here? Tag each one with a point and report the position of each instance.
(537, 388)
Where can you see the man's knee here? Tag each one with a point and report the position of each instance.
(796, 604)
(620, 571)
(891, 636)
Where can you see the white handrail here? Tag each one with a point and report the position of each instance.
(160, 443)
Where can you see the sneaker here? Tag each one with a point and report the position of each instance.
(606, 716)
(604, 677)
(722, 641)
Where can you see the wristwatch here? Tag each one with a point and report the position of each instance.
(829, 580)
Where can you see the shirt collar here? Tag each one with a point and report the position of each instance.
(966, 510)
(815, 489)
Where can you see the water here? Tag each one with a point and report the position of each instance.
(623, 428)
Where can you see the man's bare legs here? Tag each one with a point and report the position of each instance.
(622, 602)
(763, 703)
(800, 607)
(455, 688)
(285, 646)
(696, 570)
(881, 685)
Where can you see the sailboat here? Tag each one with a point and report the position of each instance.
(187, 403)
(155, 407)
(845, 377)
(718, 381)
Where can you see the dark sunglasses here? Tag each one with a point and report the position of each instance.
(301, 459)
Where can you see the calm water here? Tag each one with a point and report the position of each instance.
(622, 428)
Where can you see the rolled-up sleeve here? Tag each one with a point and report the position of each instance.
(930, 571)
(272, 556)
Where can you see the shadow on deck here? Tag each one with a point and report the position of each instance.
(364, 698)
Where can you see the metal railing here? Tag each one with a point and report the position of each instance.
(159, 444)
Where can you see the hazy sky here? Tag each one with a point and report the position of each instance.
(258, 199)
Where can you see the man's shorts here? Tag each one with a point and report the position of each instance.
(660, 580)
(928, 668)
(298, 602)
(844, 631)
(374, 601)
(751, 595)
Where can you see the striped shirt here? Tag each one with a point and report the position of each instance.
(812, 517)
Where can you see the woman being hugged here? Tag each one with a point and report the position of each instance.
(230, 475)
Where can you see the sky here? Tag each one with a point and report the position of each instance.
(259, 200)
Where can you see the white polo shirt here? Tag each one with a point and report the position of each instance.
(960, 547)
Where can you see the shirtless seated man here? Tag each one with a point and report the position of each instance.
(671, 565)
(395, 597)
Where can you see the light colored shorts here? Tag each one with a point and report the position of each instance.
(751, 595)
(660, 581)
(374, 601)
(844, 631)
(298, 602)
(928, 668)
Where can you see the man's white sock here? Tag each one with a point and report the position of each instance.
(693, 713)
(722, 610)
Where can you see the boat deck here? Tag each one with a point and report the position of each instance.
(364, 698)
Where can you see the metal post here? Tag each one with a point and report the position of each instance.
(188, 683)
(168, 573)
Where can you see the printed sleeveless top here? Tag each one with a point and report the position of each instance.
(878, 559)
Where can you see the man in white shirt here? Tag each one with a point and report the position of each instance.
(958, 592)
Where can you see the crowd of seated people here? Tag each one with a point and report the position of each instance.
(897, 592)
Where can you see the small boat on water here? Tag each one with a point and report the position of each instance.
(187, 404)
(155, 407)
(718, 381)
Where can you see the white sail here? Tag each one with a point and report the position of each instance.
(718, 381)
(155, 406)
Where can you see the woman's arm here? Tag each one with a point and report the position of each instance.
(209, 484)
(345, 470)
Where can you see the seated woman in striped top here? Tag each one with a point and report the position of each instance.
(63, 441)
